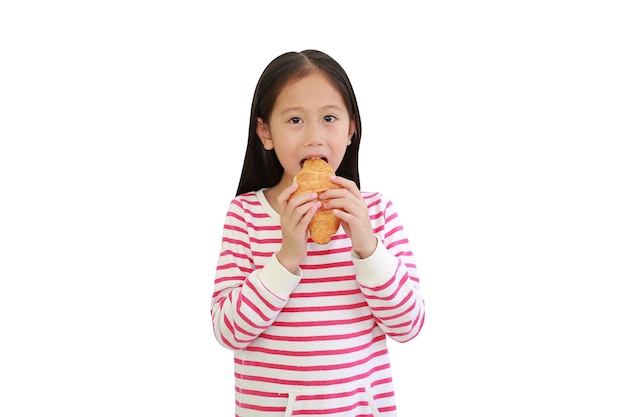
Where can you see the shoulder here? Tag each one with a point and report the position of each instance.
(246, 200)
(375, 200)
(244, 205)
(380, 207)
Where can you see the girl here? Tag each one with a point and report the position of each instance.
(309, 323)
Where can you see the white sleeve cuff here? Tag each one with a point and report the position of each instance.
(278, 280)
(377, 268)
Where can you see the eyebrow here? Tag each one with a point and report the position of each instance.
(296, 109)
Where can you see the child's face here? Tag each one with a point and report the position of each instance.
(309, 119)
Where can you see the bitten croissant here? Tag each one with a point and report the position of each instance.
(315, 177)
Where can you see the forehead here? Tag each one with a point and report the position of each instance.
(312, 90)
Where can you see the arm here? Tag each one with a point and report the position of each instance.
(246, 300)
(388, 277)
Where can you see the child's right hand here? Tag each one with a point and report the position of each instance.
(295, 216)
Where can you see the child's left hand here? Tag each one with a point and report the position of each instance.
(352, 211)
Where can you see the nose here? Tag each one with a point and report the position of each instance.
(314, 135)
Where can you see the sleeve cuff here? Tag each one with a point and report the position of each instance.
(278, 280)
(377, 268)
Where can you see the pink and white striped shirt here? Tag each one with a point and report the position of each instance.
(315, 342)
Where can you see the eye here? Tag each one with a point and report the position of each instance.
(295, 120)
(329, 118)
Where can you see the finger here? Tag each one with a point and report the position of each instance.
(308, 215)
(283, 197)
(344, 199)
(335, 193)
(342, 203)
(295, 217)
(302, 210)
(288, 203)
(344, 182)
(300, 204)
(287, 196)
(355, 210)
(343, 215)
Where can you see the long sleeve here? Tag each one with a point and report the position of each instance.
(247, 297)
(388, 278)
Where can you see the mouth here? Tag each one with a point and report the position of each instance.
(313, 157)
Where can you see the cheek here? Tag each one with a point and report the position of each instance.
(337, 158)
(287, 157)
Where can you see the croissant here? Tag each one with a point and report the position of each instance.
(315, 177)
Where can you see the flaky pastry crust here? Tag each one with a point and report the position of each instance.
(315, 177)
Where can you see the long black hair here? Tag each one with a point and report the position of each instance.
(261, 168)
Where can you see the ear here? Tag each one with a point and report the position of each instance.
(263, 131)
(351, 131)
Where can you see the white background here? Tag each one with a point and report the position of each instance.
(497, 128)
